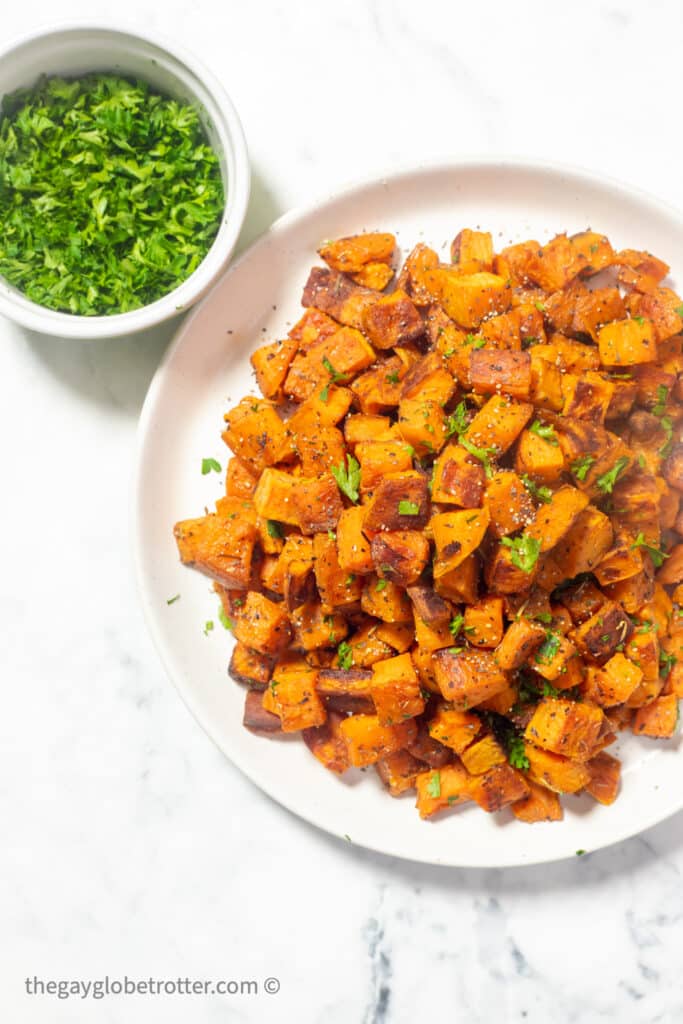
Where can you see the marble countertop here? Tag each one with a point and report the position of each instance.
(130, 845)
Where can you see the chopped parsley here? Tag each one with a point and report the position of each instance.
(345, 655)
(408, 508)
(434, 785)
(655, 554)
(580, 467)
(607, 481)
(474, 341)
(210, 466)
(335, 378)
(457, 421)
(542, 493)
(224, 619)
(110, 195)
(483, 454)
(524, 551)
(274, 529)
(208, 626)
(662, 395)
(666, 663)
(517, 754)
(172, 600)
(456, 624)
(392, 378)
(540, 307)
(348, 479)
(380, 585)
(546, 431)
(548, 649)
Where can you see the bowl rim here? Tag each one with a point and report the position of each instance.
(33, 316)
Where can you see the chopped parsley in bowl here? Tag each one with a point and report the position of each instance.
(110, 193)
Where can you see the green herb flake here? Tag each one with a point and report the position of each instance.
(546, 431)
(639, 320)
(345, 655)
(172, 600)
(666, 663)
(408, 508)
(392, 378)
(580, 853)
(380, 585)
(540, 307)
(210, 466)
(548, 649)
(516, 754)
(348, 479)
(542, 493)
(110, 195)
(274, 529)
(208, 627)
(457, 421)
(224, 619)
(662, 395)
(658, 557)
(456, 624)
(474, 341)
(581, 467)
(524, 551)
(434, 785)
(483, 454)
(607, 481)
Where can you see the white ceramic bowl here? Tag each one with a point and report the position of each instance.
(73, 50)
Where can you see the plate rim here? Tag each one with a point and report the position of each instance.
(578, 174)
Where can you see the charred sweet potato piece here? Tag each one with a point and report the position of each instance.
(256, 718)
(327, 743)
(400, 555)
(442, 788)
(603, 785)
(498, 787)
(411, 277)
(601, 634)
(399, 771)
(429, 605)
(367, 740)
(565, 727)
(219, 546)
(247, 666)
(496, 372)
(400, 501)
(333, 293)
(468, 677)
(459, 478)
(254, 432)
(521, 639)
(316, 503)
(393, 320)
(262, 624)
(539, 804)
(395, 690)
(346, 690)
(658, 719)
(354, 252)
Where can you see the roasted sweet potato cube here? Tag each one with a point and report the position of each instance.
(335, 294)
(254, 432)
(317, 504)
(400, 502)
(422, 424)
(271, 363)
(658, 719)
(484, 622)
(386, 601)
(565, 727)
(601, 634)
(262, 624)
(552, 659)
(220, 547)
(617, 680)
(603, 785)
(353, 548)
(292, 697)
(400, 555)
(441, 788)
(498, 787)
(250, 667)
(540, 804)
(556, 772)
(468, 298)
(555, 264)
(510, 505)
(352, 253)
(313, 326)
(462, 583)
(661, 308)
(374, 275)
(256, 718)
(367, 740)
(411, 277)
(587, 396)
(468, 677)
(595, 308)
(336, 586)
(431, 638)
(515, 262)
(499, 423)
(240, 481)
(364, 427)
(428, 378)
(395, 689)
(538, 458)
(378, 389)
(473, 246)
(555, 519)
(379, 459)
(456, 535)
(521, 639)
(430, 606)
(327, 743)
(627, 343)
(504, 331)
(483, 755)
(398, 635)
(335, 359)
(459, 478)
(399, 771)
(274, 496)
(346, 690)
(503, 576)
(592, 252)
(585, 544)
(621, 562)
(454, 729)
(582, 600)
(393, 320)
(496, 372)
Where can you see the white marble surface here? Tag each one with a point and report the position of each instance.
(129, 844)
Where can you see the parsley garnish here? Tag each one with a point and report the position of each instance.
(679, 310)
(546, 431)
(540, 307)
(380, 585)
(457, 421)
(209, 465)
(434, 785)
(655, 554)
(474, 341)
(456, 624)
(208, 626)
(348, 479)
(543, 493)
(408, 508)
(110, 195)
(274, 528)
(516, 754)
(335, 378)
(662, 395)
(224, 619)
(393, 378)
(607, 481)
(172, 600)
(345, 655)
(580, 467)
(483, 454)
(548, 649)
(524, 551)
(666, 663)
(639, 320)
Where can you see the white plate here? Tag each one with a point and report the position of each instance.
(207, 370)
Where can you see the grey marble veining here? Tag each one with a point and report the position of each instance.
(129, 844)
